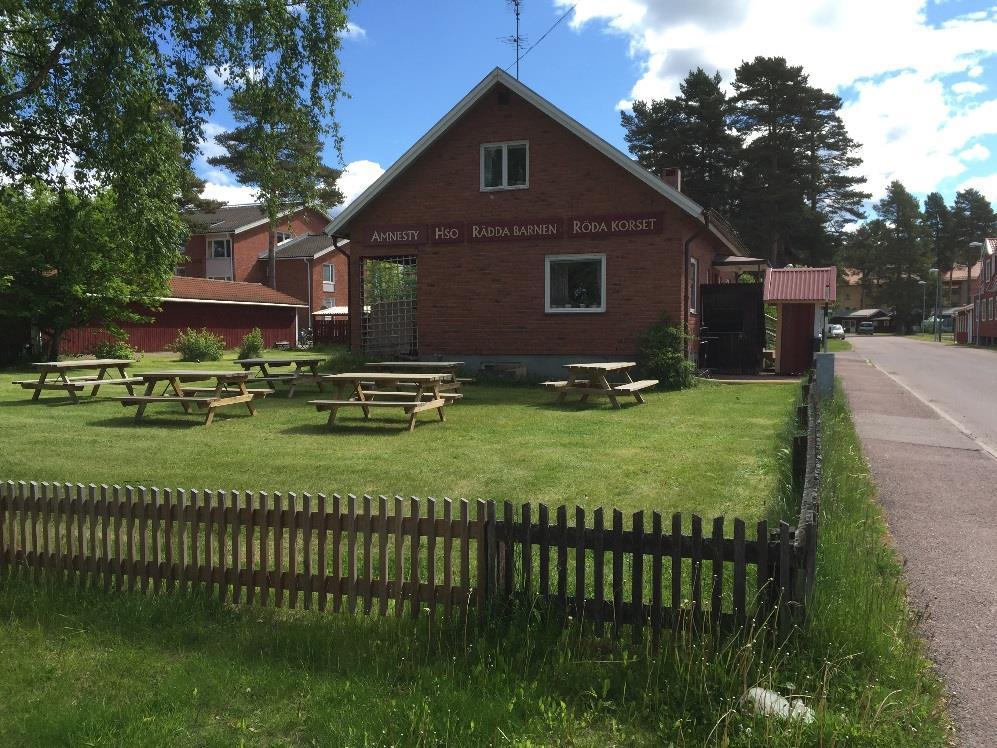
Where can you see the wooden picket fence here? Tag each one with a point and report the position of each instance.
(421, 557)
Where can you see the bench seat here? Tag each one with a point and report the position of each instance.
(328, 404)
(137, 399)
(230, 391)
(555, 384)
(411, 393)
(34, 384)
(637, 386)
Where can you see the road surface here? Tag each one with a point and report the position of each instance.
(927, 418)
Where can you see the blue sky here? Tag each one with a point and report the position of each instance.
(918, 77)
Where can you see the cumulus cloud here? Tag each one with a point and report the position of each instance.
(986, 184)
(356, 177)
(231, 194)
(354, 32)
(890, 64)
(978, 152)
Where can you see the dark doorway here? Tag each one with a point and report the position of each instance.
(796, 338)
(732, 329)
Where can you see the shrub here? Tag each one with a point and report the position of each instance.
(199, 345)
(114, 349)
(661, 354)
(252, 345)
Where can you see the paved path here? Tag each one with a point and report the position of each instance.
(938, 485)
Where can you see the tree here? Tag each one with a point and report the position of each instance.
(105, 103)
(938, 230)
(691, 132)
(902, 253)
(796, 190)
(973, 219)
(76, 258)
(276, 149)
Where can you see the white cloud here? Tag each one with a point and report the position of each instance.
(356, 177)
(985, 184)
(883, 56)
(233, 194)
(354, 32)
(968, 88)
(220, 76)
(977, 152)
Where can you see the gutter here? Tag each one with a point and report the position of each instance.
(685, 272)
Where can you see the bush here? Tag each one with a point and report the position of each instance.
(114, 349)
(661, 355)
(252, 345)
(199, 345)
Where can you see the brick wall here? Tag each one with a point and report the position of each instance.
(488, 298)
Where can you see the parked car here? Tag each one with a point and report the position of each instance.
(836, 331)
(866, 328)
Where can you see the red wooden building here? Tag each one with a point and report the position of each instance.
(984, 330)
(232, 244)
(801, 297)
(510, 232)
(226, 308)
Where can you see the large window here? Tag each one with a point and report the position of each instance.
(576, 283)
(693, 285)
(505, 166)
(328, 277)
(219, 248)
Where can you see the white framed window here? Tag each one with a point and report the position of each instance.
(283, 236)
(693, 285)
(505, 166)
(575, 283)
(219, 249)
(329, 277)
(220, 277)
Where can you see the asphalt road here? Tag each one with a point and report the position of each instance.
(927, 418)
(960, 382)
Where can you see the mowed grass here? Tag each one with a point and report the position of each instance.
(88, 668)
(712, 450)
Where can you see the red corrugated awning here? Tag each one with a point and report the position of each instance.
(800, 285)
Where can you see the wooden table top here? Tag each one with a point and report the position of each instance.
(608, 366)
(384, 376)
(416, 365)
(193, 375)
(279, 361)
(83, 363)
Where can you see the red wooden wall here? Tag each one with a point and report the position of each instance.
(231, 321)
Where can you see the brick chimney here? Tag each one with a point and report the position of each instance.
(672, 176)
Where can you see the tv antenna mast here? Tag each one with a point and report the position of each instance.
(517, 40)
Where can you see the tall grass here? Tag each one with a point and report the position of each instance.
(83, 667)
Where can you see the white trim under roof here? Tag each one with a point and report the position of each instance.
(219, 301)
(498, 75)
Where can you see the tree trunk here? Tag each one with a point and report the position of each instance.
(52, 353)
(272, 258)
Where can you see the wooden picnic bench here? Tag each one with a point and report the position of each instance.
(305, 371)
(229, 389)
(450, 383)
(73, 384)
(426, 396)
(593, 379)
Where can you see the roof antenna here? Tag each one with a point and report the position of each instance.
(517, 40)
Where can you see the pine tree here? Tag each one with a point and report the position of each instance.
(938, 231)
(973, 220)
(691, 132)
(902, 253)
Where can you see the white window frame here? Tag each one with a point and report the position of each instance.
(693, 285)
(505, 166)
(220, 278)
(211, 248)
(328, 302)
(329, 285)
(286, 234)
(602, 285)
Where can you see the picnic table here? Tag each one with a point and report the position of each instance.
(593, 379)
(229, 389)
(448, 369)
(427, 394)
(74, 384)
(305, 370)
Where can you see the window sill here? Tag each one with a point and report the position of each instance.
(505, 189)
(330, 287)
(579, 310)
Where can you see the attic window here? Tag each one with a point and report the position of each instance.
(505, 166)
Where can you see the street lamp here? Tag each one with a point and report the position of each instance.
(938, 302)
(924, 300)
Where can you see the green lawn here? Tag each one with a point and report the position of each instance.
(713, 449)
(834, 345)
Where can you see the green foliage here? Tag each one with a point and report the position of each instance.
(114, 349)
(661, 355)
(199, 345)
(252, 345)
(78, 258)
(388, 281)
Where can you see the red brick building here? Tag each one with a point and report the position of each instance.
(985, 302)
(232, 244)
(511, 232)
(228, 309)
